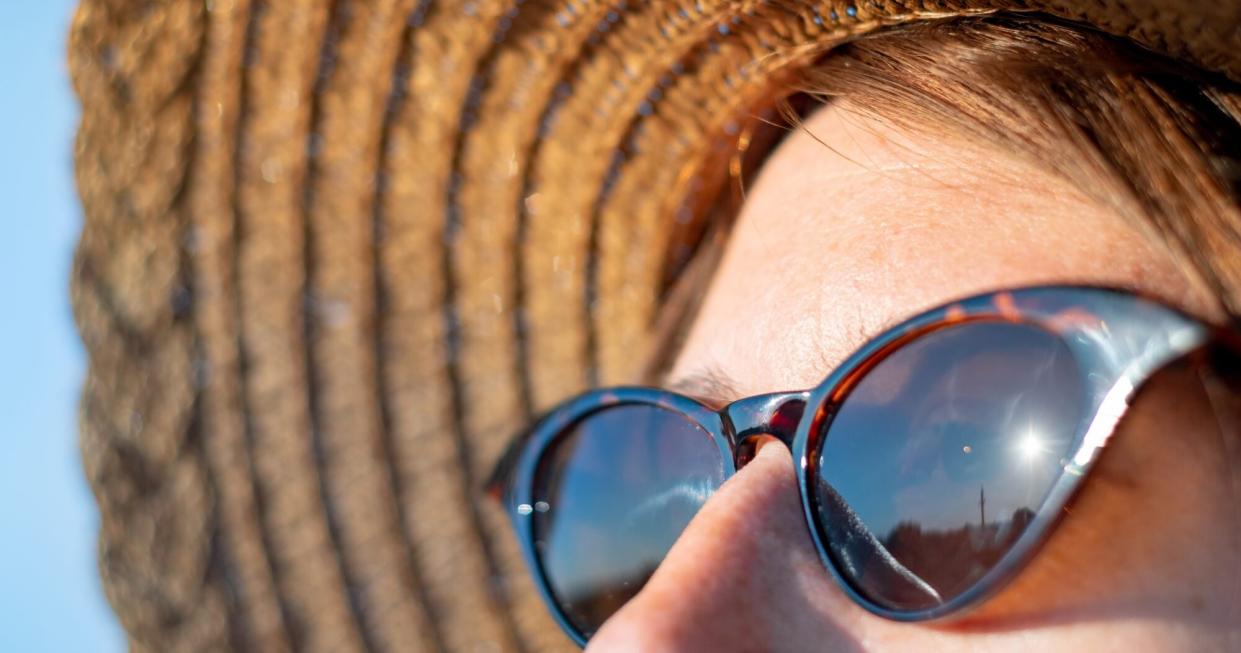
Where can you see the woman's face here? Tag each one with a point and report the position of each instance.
(854, 225)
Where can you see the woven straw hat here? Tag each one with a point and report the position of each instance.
(335, 252)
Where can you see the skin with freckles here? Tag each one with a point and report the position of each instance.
(852, 226)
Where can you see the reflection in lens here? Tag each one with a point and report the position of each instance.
(611, 497)
(936, 462)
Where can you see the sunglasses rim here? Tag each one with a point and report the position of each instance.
(821, 403)
(830, 395)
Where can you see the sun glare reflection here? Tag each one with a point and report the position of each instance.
(1031, 445)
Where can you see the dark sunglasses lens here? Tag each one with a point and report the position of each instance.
(938, 459)
(611, 497)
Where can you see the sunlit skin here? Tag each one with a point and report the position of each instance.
(838, 239)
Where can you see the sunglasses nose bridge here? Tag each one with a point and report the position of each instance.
(773, 415)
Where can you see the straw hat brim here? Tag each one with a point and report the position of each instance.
(335, 253)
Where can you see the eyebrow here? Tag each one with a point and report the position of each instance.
(710, 385)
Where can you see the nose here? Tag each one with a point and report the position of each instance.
(744, 576)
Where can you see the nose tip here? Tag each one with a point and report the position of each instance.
(743, 576)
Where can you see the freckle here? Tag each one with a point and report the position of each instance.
(1197, 603)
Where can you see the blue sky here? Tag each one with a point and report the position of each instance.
(50, 597)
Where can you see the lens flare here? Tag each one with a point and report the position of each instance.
(1031, 445)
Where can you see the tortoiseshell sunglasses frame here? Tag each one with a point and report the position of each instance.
(1118, 338)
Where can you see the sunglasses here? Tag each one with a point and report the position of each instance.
(931, 464)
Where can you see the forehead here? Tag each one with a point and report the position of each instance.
(853, 225)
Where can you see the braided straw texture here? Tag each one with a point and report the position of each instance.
(336, 251)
